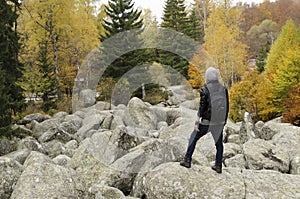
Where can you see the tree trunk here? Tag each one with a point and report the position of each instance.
(53, 42)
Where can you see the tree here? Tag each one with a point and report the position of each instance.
(282, 69)
(12, 100)
(223, 41)
(57, 36)
(175, 18)
(122, 17)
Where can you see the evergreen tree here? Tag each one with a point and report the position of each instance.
(10, 67)
(175, 18)
(195, 28)
(122, 17)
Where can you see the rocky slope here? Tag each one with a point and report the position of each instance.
(133, 152)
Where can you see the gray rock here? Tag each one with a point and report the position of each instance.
(271, 184)
(36, 116)
(106, 124)
(91, 122)
(170, 180)
(80, 114)
(288, 137)
(21, 130)
(106, 192)
(62, 160)
(116, 121)
(29, 143)
(56, 133)
(261, 154)
(247, 129)
(54, 148)
(102, 106)
(231, 149)
(72, 124)
(234, 138)
(190, 104)
(91, 170)
(87, 98)
(295, 165)
(237, 161)
(60, 116)
(140, 115)
(43, 179)
(36, 158)
(39, 128)
(161, 125)
(19, 156)
(5, 146)
(10, 171)
(232, 128)
(70, 148)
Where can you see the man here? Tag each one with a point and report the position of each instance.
(211, 117)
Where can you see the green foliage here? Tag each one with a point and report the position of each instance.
(282, 67)
(122, 17)
(175, 17)
(105, 89)
(12, 100)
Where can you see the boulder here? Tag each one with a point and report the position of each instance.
(237, 161)
(295, 165)
(87, 98)
(288, 138)
(21, 131)
(43, 179)
(247, 129)
(10, 171)
(35, 158)
(6, 146)
(70, 148)
(234, 138)
(102, 191)
(56, 133)
(261, 154)
(116, 121)
(232, 128)
(61, 160)
(19, 156)
(54, 148)
(91, 170)
(60, 116)
(190, 104)
(91, 122)
(140, 115)
(231, 149)
(35, 116)
(29, 143)
(170, 180)
(39, 128)
(271, 184)
(102, 106)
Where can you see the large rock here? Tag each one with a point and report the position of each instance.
(91, 170)
(6, 146)
(271, 184)
(29, 143)
(295, 165)
(35, 116)
(247, 129)
(10, 171)
(261, 154)
(54, 148)
(39, 128)
(237, 161)
(173, 181)
(170, 180)
(140, 115)
(19, 156)
(106, 192)
(62, 160)
(56, 133)
(87, 98)
(288, 137)
(43, 179)
(91, 122)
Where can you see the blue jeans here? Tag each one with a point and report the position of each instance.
(217, 132)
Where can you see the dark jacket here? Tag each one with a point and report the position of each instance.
(204, 109)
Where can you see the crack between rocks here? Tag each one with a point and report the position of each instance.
(245, 185)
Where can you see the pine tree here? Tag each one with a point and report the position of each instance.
(10, 67)
(195, 28)
(175, 18)
(122, 17)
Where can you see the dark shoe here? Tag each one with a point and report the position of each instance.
(186, 162)
(217, 167)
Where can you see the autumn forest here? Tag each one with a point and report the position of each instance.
(256, 47)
